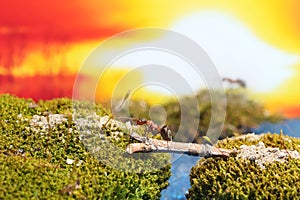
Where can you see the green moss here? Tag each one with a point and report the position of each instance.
(232, 178)
(33, 162)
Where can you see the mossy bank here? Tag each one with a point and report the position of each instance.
(51, 161)
(237, 178)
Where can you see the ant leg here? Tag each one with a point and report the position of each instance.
(146, 134)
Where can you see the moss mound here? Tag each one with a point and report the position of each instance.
(232, 178)
(51, 162)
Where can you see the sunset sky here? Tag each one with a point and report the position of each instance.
(44, 43)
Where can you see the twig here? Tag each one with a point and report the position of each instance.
(162, 146)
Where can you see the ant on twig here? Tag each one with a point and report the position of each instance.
(150, 126)
(164, 131)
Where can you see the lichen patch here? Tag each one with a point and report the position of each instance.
(260, 154)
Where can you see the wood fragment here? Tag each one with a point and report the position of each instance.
(162, 146)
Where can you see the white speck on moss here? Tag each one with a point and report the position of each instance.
(69, 161)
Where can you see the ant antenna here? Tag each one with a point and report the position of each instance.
(124, 100)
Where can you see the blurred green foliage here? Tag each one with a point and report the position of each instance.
(242, 114)
(33, 164)
(233, 178)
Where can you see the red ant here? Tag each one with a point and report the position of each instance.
(164, 131)
(150, 125)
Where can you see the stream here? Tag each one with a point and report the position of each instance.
(179, 181)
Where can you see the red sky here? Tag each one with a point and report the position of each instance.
(69, 18)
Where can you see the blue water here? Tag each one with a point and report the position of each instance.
(179, 182)
(290, 127)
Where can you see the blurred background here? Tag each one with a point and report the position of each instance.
(255, 46)
(43, 44)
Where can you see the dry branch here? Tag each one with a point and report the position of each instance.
(154, 145)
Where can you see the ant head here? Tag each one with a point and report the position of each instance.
(143, 120)
(166, 133)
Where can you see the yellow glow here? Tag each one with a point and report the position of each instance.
(36, 63)
(273, 21)
(110, 84)
(286, 96)
(151, 97)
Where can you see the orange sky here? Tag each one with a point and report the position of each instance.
(54, 37)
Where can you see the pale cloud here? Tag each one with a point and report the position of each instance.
(236, 51)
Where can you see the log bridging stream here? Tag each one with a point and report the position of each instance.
(162, 146)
